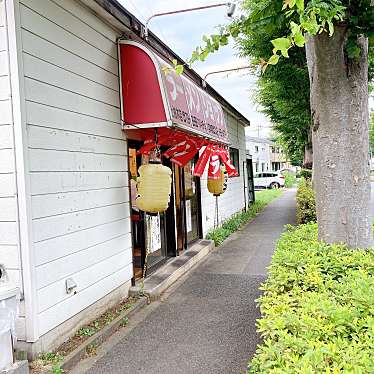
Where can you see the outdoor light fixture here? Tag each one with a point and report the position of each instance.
(223, 71)
(231, 9)
(218, 185)
(230, 12)
(153, 187)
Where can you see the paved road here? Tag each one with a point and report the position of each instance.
(207, 324)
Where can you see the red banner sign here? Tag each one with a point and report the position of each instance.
(192, 107)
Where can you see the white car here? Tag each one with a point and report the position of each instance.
(269, 180)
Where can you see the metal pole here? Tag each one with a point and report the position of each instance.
(216, 219)
(179, 11)
(224, 71)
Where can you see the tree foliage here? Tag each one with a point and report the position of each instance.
(283, 91)
(270, 30)
(371, 132)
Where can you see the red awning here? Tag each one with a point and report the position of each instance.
(153, 95)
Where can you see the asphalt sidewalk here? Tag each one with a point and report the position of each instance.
(206, 323)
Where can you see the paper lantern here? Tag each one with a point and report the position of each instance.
(218, 186)
(153, 188)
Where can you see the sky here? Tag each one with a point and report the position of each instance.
(183, 33)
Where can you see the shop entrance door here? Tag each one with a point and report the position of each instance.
(251, 186)
(187, 202)
(192, 202)
(149, 232)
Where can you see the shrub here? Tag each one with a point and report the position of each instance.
(317, 308)
(290, 180)
(305, 173)
(305, 202)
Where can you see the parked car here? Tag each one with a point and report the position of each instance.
(269, 180)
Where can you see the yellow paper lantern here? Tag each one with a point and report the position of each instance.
(218, 186)
(153, 188)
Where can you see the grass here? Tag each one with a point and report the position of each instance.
(238, 220)
(52, 360)
(267, 196)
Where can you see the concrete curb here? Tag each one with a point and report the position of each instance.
(79, 353)
(20, 367)
(173, 271)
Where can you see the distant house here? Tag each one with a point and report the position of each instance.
(266, 155)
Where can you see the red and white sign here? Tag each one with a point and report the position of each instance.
(154, 95)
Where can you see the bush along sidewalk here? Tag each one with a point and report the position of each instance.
(289, 180)
(317, 308)
(305, 202)
(237, 221)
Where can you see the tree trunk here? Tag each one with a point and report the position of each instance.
(339, 104)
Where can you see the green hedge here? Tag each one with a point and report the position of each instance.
(290, 180)
(305, 202)
(317, 308)
(305, 173)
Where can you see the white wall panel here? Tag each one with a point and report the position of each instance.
(4, 68)
(76, 303)
(51, 31)
(56, 182)
(6, 136)
(77, 157)
(4, 87)
(8, 233)
(6, 112)
(60, 203)
(46, 138)
(63, 224)
(72, 24)
(48, 160)
(50, 52)
(9, 255)
(47, 116)
(67, 266)
(7, 160)
(59, 98)
(8, 209)
(48, 73)
(62, 246)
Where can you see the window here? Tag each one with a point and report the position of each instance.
(262, 167)
(234, 157)
(256, 148)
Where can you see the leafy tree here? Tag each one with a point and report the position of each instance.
(371, 132)
(283, 91)
(335, 33)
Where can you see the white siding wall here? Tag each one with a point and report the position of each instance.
(9, 252)
(9, 223)
(232, 201)
(77, 157)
